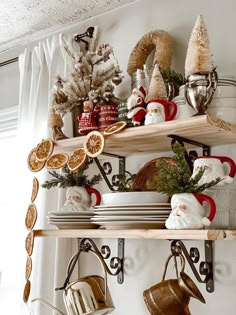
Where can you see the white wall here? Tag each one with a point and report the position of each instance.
(122, 28)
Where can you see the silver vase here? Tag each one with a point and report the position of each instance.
(199, 90)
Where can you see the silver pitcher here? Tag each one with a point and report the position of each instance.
(199, 90)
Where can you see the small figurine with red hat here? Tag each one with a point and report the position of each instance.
(136, 106)
(87, 120)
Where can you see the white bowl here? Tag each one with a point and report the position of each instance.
(134, 197)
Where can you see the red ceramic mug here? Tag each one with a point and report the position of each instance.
(214, 168)
(201, 198)
(97, 194)
(166, 112)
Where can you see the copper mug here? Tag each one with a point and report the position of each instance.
(171, 297)
(87, 295)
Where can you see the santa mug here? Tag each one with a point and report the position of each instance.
(188, 211)
(160, 111)
(214, 168)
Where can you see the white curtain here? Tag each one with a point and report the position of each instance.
(38, 69)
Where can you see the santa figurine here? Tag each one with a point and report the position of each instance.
(136, 106)
(155, 113)
(87, 120)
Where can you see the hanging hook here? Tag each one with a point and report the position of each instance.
(89, 33)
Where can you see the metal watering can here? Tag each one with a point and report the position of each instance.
(87, 295)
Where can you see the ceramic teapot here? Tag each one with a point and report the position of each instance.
(171, 297)
(87, 295)
(214, 167)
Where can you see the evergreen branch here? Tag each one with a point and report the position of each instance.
(176, 178)
(70, 179)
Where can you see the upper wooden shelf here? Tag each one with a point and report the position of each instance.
(141, 234)
(154, 138)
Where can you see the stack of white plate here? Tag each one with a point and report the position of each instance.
(71, 220)
(135, 216)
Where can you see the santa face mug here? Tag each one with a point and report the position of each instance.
(214, 167)
(78, 198)
(188, 212)
(160, 111)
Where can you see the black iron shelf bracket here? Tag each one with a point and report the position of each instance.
(192, 155)
(106, 168)
(116, 265)
(193, 257)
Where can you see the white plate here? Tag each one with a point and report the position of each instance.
(75, 226)
(69, 217)
(132, 208)
(73, 213)
(129, 218)
(120, 225)
(130, 212)
(68, 220)
(153, 205)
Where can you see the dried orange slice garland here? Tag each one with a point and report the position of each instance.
(57, 161)
(44, 149)
(35, 189)
(77, 159)
(28, 268)
(33, 162)
(31, 216)
(29, 243)
(94, 144)
(26, 291)
(114, 128)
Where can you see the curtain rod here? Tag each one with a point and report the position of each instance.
(7, 62)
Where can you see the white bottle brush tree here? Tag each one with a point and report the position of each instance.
(198, 58)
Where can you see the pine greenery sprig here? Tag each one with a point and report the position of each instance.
(176, 177)
(69, 179)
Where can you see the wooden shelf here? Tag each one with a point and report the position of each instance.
(141, 234)
(154, 138)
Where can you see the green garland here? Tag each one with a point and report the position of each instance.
(69, 179)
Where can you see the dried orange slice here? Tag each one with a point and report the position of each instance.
(57, 161)
(33, 163)
(29, 243)
(35, 189)
(77, 159)
(28, 268)
(31, 216)
(114, 128)
(94, 143)
(26, 291)
(44, 149)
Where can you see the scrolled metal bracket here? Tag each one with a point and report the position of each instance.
(192, 155)
(106, 168)
(116, 265)
(193, 257)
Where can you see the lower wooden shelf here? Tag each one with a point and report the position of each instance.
(141, 234)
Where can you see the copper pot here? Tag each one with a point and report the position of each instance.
(171, 297)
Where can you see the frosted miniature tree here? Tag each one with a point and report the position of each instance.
(198, 58)
(157, 88)
(94, 76)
